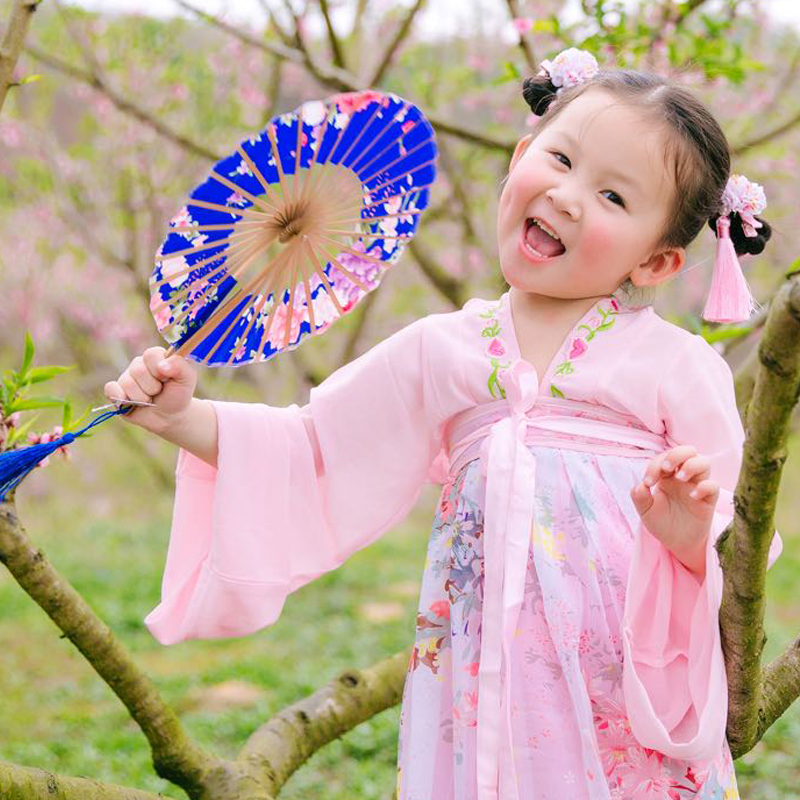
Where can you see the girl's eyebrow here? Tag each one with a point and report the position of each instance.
(612, 173)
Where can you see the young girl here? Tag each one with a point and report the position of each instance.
(567, 644)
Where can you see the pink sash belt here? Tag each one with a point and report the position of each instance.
(499, 433)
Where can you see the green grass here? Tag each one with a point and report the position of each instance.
(104, 525)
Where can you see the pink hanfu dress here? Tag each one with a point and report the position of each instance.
(561, 651)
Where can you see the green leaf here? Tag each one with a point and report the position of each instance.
(544, 26)
(39, 374)
(793, 267)
(67, 418)
(722, 333)
(36, 402)
(510, 73)
(76, 423)
(30, 79)
(27, 359)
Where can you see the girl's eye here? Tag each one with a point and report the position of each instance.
(619, 201)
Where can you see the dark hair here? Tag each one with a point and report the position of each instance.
(697, 151)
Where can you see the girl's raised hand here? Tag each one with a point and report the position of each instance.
(679, 509)
(169, 388)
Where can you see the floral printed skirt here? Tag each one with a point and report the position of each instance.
(566, 662)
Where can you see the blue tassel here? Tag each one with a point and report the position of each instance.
(16, 464)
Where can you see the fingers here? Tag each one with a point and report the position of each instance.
(139, 381)
(153, 358)
(694, 469)
(642, 499)
(175, 368)
(665, 464)
(707, 491)
(113, 390)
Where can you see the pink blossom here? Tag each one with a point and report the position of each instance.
(496, 348)
(523, 24)
(441, 608)
(253, 96)
(162, 315)
(277, 331)
(579, 347)
(46, 438)
(616, 744)
(351, 102)
(478, 62)
(180, 92)
(10, 134)
(647, 776)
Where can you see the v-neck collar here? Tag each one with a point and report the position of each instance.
(612, 302)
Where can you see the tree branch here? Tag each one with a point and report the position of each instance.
(279, 747)
(343, 81)
(780, 687)
(524, 44)
(461, 194)
(12, 43)
(744, 546)
(671, 14)
(333, 39)
(450, 287)
(122, 103)
(784, 127)
(394, 45)
(37, 784)
(175, 756)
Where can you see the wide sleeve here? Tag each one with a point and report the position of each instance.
(296, 491)
(673, 673)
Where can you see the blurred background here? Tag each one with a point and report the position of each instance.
(124, 107)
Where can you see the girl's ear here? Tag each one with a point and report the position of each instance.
(522, 146)
(659, 267)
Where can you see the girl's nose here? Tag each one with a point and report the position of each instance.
(564, 201)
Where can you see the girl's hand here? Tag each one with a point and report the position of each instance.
(169, 388)
(680, 508)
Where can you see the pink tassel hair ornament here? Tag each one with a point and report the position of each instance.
(729, 298)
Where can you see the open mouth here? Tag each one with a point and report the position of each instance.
(541, 241)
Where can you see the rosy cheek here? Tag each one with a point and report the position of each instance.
(599, 238)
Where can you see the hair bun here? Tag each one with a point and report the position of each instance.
(744, 245)
(539, 92)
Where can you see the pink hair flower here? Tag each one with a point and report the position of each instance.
(570, 67)
(747, 198)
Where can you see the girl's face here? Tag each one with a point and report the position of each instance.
(596, 177)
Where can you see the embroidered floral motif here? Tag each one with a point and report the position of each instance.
(579, 344)
(495, 350)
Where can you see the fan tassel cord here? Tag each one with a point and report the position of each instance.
(16, 464)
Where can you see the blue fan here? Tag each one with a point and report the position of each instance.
(294, 229)
(284, 237)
